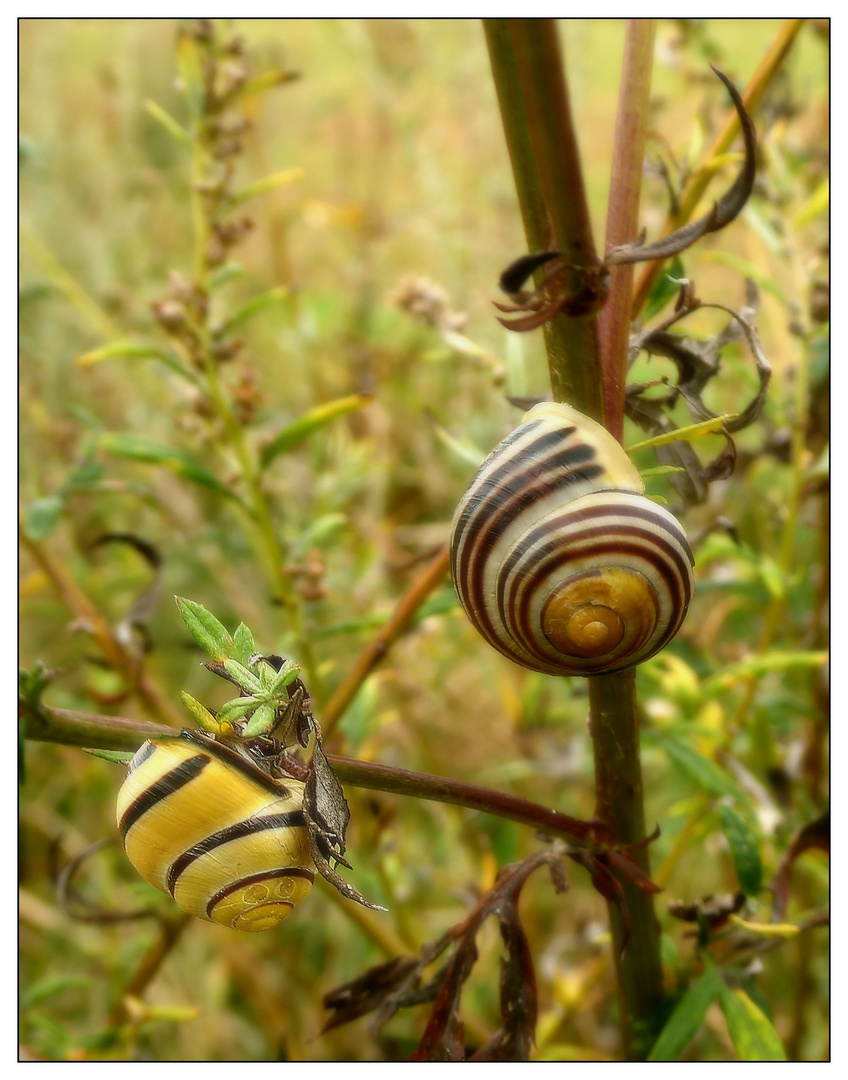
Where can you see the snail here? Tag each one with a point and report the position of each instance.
(559, 559)
(226, 840)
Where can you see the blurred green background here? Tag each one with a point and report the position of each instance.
(405, 177)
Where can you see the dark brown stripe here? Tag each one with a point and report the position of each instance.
(253, 879)
(606, 548)
(248, 827)
(503, 498)
(166, 785)
(235, 760)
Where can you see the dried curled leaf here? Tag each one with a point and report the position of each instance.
(577, 291)
(722, 213)
(388, 987)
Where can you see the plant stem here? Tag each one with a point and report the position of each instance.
(620, 805)
(407, 606)
(248, 464)
(532, 90)
(542, 143)
(46, 723)
(623, 212)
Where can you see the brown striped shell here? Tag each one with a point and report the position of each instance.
(225, 840)
(559, 559)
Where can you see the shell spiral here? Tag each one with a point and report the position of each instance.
(228, 842)
(557, 556)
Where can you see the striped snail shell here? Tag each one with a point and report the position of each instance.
(227, 841)
(557, 556)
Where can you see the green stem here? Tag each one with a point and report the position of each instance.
(532, 91)
(262, 517)
(542, 143)
(620, 805)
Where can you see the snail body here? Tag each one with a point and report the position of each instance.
(557, 556)
(227, 841)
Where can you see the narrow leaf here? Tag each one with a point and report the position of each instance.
(134, 350)
(205, 629)
(784, 931)
(268, 79)
(138, 447)
(254, 305)
(116, 757)
(267, 183)
(243, 644)
(753, 1035)
(759, 665)
(284, 677)
(665, 288)
(682, 1026)
(688, 433)
(309, 422)
(260, 723)
(236, 709)
(200, 713)
(743, 849)
(246, 679)
(703, 772)
(167, 121)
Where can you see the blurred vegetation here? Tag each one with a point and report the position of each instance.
(377, 254)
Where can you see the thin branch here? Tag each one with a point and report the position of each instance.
(623, 212)
(402, 616)
(47, 723)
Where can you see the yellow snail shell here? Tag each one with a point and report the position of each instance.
(557, 556)
(227, 841)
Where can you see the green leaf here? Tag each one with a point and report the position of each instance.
(664, 289)
(688, 433)
(702, 771)
(753, 1035)
(42, 515)
(172, 126)
(309, 422)
(682, 1026)
(116, 757)
(284, 677)
(254, 305)
(268, 79)
(205, 629)
(224, 274)
(743, 849)
(199, 712)
(260, 723)
(243, 644)
(246, 679)
(236, 709)
(50, 987)
(267, 183)
(759, 665)
(137, 447)
(133, 350)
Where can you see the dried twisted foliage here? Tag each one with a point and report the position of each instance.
(386, 988)
(549, 299)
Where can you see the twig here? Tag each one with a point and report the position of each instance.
(401, 618)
